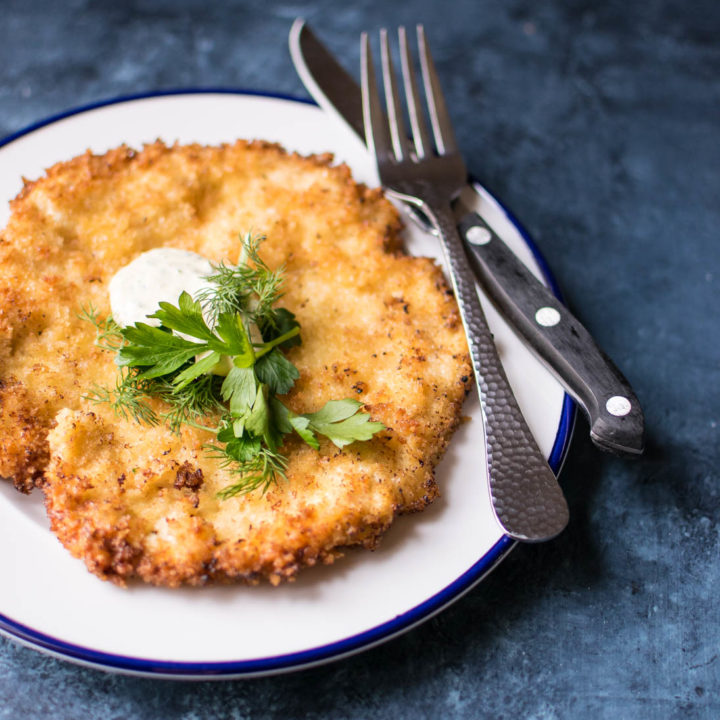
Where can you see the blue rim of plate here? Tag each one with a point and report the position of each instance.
(326, 653)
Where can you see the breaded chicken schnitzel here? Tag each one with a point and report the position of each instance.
(377, 325)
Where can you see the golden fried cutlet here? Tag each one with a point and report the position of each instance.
(377, 325)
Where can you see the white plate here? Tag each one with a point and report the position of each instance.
(49, 601)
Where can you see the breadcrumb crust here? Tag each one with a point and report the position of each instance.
(377, 325)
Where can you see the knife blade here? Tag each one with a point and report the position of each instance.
(535, 314)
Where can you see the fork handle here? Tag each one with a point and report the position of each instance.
(526, 497)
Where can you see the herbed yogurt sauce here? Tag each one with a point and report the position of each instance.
(156, 276)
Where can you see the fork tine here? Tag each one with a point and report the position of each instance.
(439, 117)
(398, 131)
(377, 135)
(419, 129)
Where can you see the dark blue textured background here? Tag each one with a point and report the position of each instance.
(597, 123)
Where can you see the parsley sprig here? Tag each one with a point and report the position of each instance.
(218, 364)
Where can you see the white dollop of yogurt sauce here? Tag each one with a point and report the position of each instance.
(156, 276)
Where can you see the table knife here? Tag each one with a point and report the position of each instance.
(534, 313)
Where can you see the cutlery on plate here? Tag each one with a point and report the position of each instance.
(544, 324)
(429, 172)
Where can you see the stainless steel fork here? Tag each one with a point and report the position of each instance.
(526, 497)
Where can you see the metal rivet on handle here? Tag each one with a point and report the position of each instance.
(618, 405)
(547, 316)
(478, 235)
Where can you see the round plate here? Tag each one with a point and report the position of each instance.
(425, 562)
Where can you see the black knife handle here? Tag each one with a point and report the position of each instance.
(558, 338)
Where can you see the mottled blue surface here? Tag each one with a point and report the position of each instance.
(598, 124)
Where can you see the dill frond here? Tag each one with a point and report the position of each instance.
(127, 399)
(107, 331)
(259, 472)
(250, 288)
(189, 405)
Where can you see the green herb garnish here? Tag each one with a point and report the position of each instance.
(218, 363)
